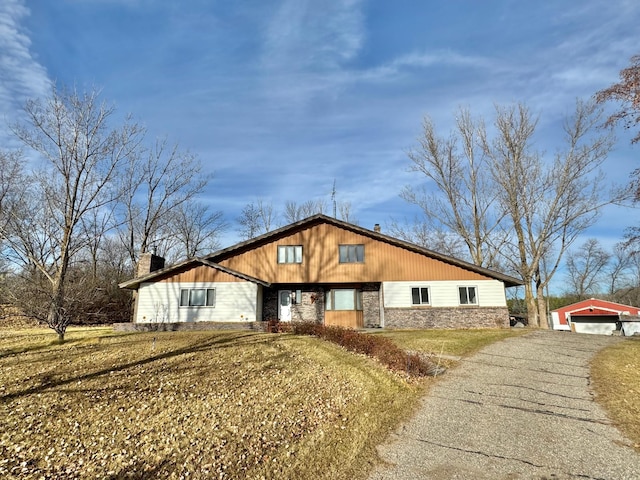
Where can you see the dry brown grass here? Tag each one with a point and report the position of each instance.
(196, 404)
(615, 373)
(449, 342)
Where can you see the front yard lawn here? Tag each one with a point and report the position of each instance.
(615, 374)
(196, 404)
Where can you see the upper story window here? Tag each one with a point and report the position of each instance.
(351, 253)
(468, 295)
(197, 297)
(290, 254)
(420, 296)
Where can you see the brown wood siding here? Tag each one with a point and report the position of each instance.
(382, 261)
(344, 318)
(201, 273)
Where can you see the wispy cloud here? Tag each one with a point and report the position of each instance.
(425, 60)
(21, 76)
(312, 34)
(306, 46)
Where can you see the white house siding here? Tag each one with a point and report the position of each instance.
(444, 309)
(490, 293)
(555, 321)
(596, 328)
(234, 302)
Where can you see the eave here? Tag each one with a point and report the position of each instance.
(134, 283)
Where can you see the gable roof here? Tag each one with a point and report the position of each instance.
(508, 280)
(134, 283)
(596, 304)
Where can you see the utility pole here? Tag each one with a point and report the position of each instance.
(333, 199)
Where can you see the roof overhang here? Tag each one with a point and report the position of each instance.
(134, 283)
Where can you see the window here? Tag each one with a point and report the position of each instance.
(467, 295)
(197, 297)
(344, 299)
(351, 253)
(420, 296)
(290, 254)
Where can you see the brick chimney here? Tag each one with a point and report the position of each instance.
(149, 262)
(376, 228)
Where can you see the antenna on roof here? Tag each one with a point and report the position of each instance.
(333, 198)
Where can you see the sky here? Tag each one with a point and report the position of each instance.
(280, 98)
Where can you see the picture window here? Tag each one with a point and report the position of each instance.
(344, 299)
(197, 297)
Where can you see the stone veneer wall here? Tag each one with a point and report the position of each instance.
(371, 305)
(188, 326)
(310, 309)
(467, 317)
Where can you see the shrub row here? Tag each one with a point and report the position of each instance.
(383, 349)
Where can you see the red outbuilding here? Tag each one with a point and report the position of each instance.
(597, 316)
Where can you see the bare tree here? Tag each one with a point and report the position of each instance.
(627, 94)
(585, 268)
(294, 212)
(618, 269)
(256, 218)
(95, 226)
(196, 229)
(80, 156)
(420, 232)
(547, 204)
(346, 212)
(154, 185)
(464, 199)
(249, 222)
(11, 181)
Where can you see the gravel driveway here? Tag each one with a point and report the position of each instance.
(519, 409)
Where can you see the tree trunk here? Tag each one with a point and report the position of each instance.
(55, 318)
(530, 302)
(542, 307)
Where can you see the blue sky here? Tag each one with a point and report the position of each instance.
(280, 97)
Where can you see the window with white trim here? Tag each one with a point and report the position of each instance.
(197, 297)
(343, 299)
(351, 253)
(289, 253)
(468, 295)
(420, 296)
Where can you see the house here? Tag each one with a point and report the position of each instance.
(597, 316)
(324, 270)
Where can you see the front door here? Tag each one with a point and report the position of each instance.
(284, 305)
